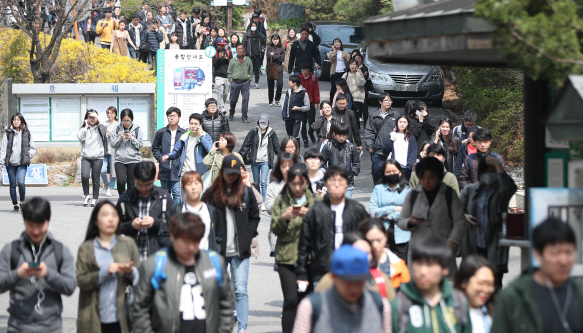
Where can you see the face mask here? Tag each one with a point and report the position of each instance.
(391, 179)
(310, 30)
(263, 125)
(489, 178)
(253, 28)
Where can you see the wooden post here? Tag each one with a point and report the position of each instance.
(229, 19)
(75, 23)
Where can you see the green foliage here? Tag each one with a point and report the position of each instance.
(276, 25)
(319, 10)
(13, 60)
(542, 38)
(496, 95)
(357, 11)
(130, 7)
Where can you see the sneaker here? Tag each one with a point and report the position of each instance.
(256, 86)
(231, 118)
(271, 104)
(306, 144)
(86, 201)
(108, 193)
(93, 202)
(263, 209)
(277, 103)
(104, 189)
(16, 210)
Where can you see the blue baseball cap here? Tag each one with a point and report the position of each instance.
(350, 263)
(221, 41)
(263, 118)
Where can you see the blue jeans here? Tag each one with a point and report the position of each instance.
(263, 168)
(173, 187)
(348, 193)
(240, 273)
(377, 163)
(133, 53)
(106, 162)
(16, 174)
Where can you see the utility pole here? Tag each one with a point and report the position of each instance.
(229, 19)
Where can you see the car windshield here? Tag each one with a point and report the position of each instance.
(347, 34)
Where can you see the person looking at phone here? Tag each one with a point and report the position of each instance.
(92, 136)
(287, 216)
(483, 204)
(36, 269)
(105, 29)
(221, 66)
(433, 209)
(142, 211)
(127, 142)
(221, 149)
(192, 148)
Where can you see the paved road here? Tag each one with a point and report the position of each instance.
(70, 220)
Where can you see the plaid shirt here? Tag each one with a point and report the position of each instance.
(142, 239)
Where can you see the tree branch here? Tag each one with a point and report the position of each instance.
(538, 50)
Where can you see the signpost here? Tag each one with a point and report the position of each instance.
(229, 4)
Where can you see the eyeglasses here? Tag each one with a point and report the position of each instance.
(173, 116)
(126, 121)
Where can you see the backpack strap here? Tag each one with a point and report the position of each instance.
(159, 266)
(214, 257)
(58, 251)
(378, 300)
(414, 195)
(316, 300)
(403, 305)
(460, 307)
(14, 254)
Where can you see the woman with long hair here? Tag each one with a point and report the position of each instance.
(109, 158)
(126, 139)
(323, 124)
(402, 145)
(222, 148)
(338, 63)
(18, 149)
(356, 82)
(190, 201)
(342, 88)
(203, 30)
(120, 40)
(93, 149)
(475, 278)
(239, 220)
(254, 43)
(386, 203)
(444, 136)
(387, 262)
(287, 217)
(291, 145)
(418, 122)
(106, 265)
(275, 54)
(233, 43)
(287, 45)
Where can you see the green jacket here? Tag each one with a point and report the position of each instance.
(240, 71)
(420, 317)
(288, 232)
(214, 164)
(448, 179)
(516, 307)
(87, 270)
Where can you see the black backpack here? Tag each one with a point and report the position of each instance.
(15, 254)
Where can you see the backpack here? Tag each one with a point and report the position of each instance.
(448, 199)
(404, 303)
(160, 265)
(316, 300)
(15, 254)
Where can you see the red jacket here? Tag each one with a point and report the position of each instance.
(312, 88)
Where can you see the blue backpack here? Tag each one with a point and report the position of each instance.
(160, 265)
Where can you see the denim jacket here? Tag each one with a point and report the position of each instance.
(383, 202)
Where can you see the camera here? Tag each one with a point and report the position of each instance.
(319, 185)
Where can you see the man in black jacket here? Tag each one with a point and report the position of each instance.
(380, 123)
(213, 121)
(303, 50)
(163, 145)
(135, 29)
(142, 211)
(341, 114)
(325, 225)
(183, 29)
(221, 65)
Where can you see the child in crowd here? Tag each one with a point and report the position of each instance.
(342, 152)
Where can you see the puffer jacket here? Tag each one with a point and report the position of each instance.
(377, 129)
(318, 233)
(158, 310)
(356, 83)
(301, 99)
(216, 125)
(251, 145)
(288, 232)
(27, 147)
(344, 154)
(203, 145)
(127, 151)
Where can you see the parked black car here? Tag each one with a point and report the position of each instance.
(350, 35)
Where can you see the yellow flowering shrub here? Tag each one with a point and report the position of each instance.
(77, 62)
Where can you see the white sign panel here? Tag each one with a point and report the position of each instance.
(36, 113)
(139, 107)
(65, 118)
(101, 104)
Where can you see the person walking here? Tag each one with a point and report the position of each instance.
(342, 88)
(465, 150)
(469, 171)
(36, 270)
(380, 123)
(289, 41)
(106, 266)
(18, 149)
(105, 28)
(259, 150)
(214, 122)
(175, 294)
(164, 142)
(109, 158)
(120, 40)
(295, 107)
(338, 62)
(127, 142)
(402, 146)
(356, 83)
(445, 137)
(323, 124)
(436, 150)
(221, 149)
(314, 160)
(92, 136)
(135, 29)
(343, 114)
(240, 73)
(386, 203)
(310, 83)
(153, 36)
(288, 213)
(221, 62)
(239, 221)
(343, 153)
(303, 50)
(275, 58)
(202, 31)
(418, 122)
(183, 30)
(254, 47)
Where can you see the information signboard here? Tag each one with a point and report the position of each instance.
(139, 107)
(101, 104)
(36, 111)
(65, 118)
(36, 174)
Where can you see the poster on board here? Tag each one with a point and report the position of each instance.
(101, 104)
(184, 81)
(36, 112)
(65, 118)
(139, 107)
